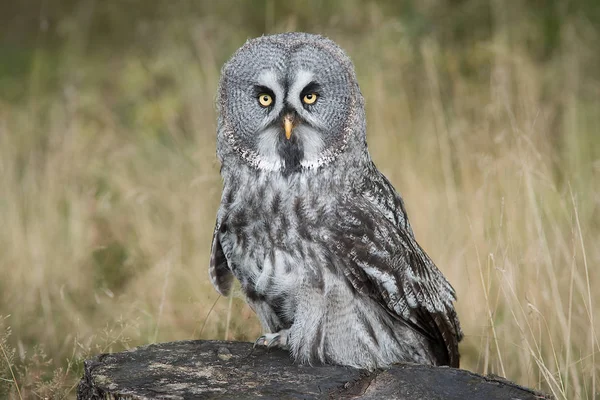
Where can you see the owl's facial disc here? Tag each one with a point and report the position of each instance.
(286, 105)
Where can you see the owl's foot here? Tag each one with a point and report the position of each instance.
(270, 340)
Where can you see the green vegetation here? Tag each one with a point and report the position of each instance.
(484, 114)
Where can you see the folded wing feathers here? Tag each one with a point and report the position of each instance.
(218, 269)
(384, 261)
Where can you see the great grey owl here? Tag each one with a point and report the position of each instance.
(316, 235)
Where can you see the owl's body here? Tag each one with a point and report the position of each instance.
(316, 235)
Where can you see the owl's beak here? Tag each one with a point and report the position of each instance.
(288, 125)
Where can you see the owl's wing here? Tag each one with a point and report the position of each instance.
(378, 190)
(383, 260)
(219, 271)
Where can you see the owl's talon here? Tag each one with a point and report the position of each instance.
(270, 340)
(259, 342)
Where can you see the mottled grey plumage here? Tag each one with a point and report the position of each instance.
(316, 235)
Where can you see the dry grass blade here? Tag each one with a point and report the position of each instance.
(14, 379)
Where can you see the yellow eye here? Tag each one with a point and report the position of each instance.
(265, 99)
(309, 98)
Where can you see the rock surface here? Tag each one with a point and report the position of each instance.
(234, 370)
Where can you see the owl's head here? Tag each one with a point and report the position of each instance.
(289, 102)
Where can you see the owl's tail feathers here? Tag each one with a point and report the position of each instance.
(449, 329)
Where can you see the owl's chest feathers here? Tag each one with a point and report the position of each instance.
(272, 227)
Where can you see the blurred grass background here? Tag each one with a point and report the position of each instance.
(484, 114)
